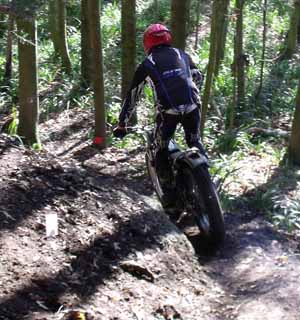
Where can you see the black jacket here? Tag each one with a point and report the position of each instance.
(174, 77)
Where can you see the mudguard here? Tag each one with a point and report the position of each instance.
(191, 157)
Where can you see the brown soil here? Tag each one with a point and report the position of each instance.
(117, 255)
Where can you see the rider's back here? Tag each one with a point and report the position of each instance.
(169, 70)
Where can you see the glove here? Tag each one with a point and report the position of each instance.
(120, 132)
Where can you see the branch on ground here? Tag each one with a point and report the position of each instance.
(268, 132)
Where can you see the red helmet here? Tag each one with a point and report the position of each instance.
(155, 35)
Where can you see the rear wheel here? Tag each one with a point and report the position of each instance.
(202, 202)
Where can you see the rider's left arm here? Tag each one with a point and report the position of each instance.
(129, 103)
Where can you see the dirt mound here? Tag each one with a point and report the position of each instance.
(117, 255)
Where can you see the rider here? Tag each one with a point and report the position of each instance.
(176, 82)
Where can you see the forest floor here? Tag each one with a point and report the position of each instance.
(117, 255)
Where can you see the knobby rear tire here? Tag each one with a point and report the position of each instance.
(210, 206)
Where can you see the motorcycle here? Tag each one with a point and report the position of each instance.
(190, 194)
(191, 190)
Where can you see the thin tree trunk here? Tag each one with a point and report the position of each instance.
(156, 9)
(53, 16)
(9, 48)
(239, 55)
(64, 51)
(292, 37)
(2, 25)
(238, 64)
(28, 81)
(57, 26)
(86, 59)
(197, 25)
(98, 82)
(128, 48)
(179, 18)
(188, 18)
(263, 54)
(212, 61)
(222, 33)
(294, 146)
(298, 37)
(295, 25)
(232, 108)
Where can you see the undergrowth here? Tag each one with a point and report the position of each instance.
(231, 152)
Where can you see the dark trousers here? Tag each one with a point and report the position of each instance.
(165, 128)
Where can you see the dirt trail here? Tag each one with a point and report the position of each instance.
(117, 255)
(258, 271)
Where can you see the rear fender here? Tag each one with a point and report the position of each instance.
(191, 157)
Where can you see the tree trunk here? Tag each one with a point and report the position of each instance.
(292, 37)
(239, 54)
(97, 75)
(238, 66)
(197, 25)
(156, 10)
(9, 49)
(57, 26)
(263, 53)
(188, 18)
(294, 147)
(2, 25)
(179, 18)
(28, 81)
(212, 60)
(222, 33)
(128, 48)
(298, 37)
(86, 58)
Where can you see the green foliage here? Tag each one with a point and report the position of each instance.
(146, 13)
(279, 78)
(13, 126)
(112, 113)
(37, 147)
(27, 8)
(286, 213)
(277, 196)
(233, 140)
(73, 13)
(111, 46)
(279, 200)
(131, 141)
(224, 170)
(111, 25)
